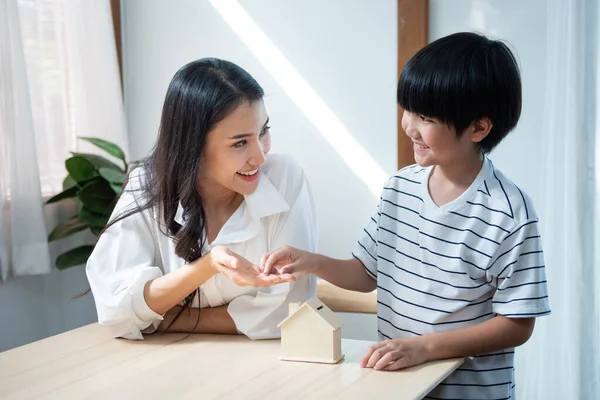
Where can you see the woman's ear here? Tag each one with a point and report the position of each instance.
(480, 129)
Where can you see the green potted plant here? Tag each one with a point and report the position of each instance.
(95, 183)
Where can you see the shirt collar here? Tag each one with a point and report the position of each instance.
(245, 221)
(266, 199)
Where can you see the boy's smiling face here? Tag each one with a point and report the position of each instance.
(435, 143)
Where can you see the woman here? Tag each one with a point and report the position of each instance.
(196, 217)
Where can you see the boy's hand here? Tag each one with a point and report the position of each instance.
(394, 354)
(241, 271)
(288, 260)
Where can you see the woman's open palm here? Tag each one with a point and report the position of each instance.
(241, 271)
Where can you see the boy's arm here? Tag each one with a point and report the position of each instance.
(347, 274)
(496, 334)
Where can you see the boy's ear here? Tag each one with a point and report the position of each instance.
(480, 129)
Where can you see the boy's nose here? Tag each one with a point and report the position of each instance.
(406, 124)
(411, 132)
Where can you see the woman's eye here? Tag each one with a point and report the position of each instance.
(239, 144)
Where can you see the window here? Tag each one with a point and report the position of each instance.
(46, 58)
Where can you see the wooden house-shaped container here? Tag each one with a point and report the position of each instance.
(311, 333)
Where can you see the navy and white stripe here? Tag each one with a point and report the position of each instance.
(454, 266)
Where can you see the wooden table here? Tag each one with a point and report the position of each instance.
(347, 301)
(88, 363)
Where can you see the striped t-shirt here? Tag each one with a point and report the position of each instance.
(454, 266)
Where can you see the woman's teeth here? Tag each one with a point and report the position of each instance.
(248, 173)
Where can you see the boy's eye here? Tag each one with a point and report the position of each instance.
(425, 119)
(265, 131)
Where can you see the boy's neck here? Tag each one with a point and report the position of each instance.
(448, 182)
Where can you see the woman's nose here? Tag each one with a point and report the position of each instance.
(258, 155)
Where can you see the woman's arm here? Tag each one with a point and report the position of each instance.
(196, 320)
(163, 293)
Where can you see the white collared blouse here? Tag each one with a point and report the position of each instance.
(134, 250)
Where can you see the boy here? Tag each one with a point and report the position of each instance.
(453, 248)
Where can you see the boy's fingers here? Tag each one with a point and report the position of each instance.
(263, 260)
(386, 360)
(375, 357)
(372, 355)
(401, 363)
(269, 261)
(364, 361)
(289, 269)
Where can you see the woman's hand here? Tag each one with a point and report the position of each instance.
(241, 271)
(288, 260)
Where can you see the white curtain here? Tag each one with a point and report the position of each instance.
(562, 360)
(23, 233)
(59, 79)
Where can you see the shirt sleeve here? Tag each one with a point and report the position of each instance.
(119, 267)
(518, 273)
(298, 227)
(366, 247)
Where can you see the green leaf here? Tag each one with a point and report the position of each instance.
(97, 195)
(98, 161)
(68, 182)
(74, 257)
(80, 169)
(109, 147)
(92, 219)
(117, 188)
(65, 194)
(67, 228)
(112, 175)
(96, 231)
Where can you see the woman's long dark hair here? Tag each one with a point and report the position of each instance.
(200, 95)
